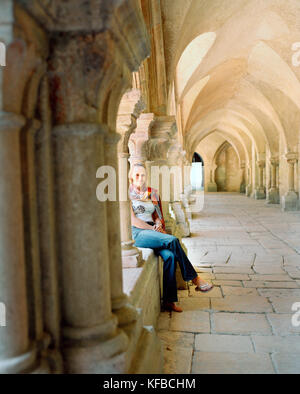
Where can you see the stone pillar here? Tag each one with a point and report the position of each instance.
(162, 130)
(187, 187)
(175, 161)
(130, 109)
(126, 313)
(161, 143)
(260, 192)
(290, 201)
(131, 256)
(18, 354)
(212, 186)
(243, 183)
(92, 342)
(139, 139)
(249, 185)
(47, 229)
(273, 195)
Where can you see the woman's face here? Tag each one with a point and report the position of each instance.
(139, 176)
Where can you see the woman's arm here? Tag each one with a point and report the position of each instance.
(136, 222)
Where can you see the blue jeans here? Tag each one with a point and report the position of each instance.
(169, 248)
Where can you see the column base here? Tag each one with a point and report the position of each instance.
(188, 190)
(212, 187)
(24, 363)
(131, 256)
(273, 196)
(186, 205)
(290, 202)
(182, 223)
(87, 354)
(126, 315)
(243, 188)
(260, 194)
(248, 190)
(170, 224)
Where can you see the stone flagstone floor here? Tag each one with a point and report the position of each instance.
(250, 251)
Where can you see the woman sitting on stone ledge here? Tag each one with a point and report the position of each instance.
(148, 231)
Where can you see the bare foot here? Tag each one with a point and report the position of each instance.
(201, 285)
(171, 306)
(198, 281)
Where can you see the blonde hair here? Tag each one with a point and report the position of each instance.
(132, 168)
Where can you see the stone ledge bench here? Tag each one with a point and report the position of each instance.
(142, 285)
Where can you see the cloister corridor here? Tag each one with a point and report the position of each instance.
(251, 252)
(115, 115)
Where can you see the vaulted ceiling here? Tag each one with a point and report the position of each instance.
(232, 68)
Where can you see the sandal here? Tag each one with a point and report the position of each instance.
(204, 288)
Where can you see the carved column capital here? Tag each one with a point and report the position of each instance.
(138, 141)
(274, 161)
(261, 163)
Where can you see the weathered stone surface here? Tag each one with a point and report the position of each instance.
(176, 339)
(276, 344)
(294, 274)
(241, 304)
(231, 363)
(270, 278)
(223, 343)
(233, 270)
(232, 277)
(282, 324)
(177, 360)
(268, 269)
(237, 291)
(279, 292)
(189, 321)
(287, 363)
(194, 303)
(283, 304)
(271, 285)
(233, 283)
(163, 321)
(240, 323)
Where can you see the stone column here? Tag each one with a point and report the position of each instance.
(162, 130)
(139, 139)
(130, 109)
(175, 161)
(249, 185)
(273, 195)
(47, 229)
(260, 192)
(212, 186)
(161, 144)
(187, 187)
(243, 183)
(92, 342)
(126, 313)
(17, 353)
(290, 201)
(131, 256)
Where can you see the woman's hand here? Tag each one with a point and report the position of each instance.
(158, 227)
